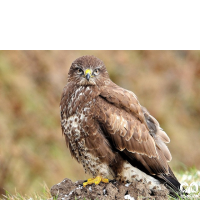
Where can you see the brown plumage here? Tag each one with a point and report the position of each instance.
(108, 131)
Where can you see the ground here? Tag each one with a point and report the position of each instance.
(67, 190)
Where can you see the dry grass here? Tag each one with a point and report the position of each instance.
(32, 149)
(36, 196)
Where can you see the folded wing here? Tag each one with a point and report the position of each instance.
(132, 129)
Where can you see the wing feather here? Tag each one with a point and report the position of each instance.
(132, 129)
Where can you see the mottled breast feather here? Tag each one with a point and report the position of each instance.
(83, 134)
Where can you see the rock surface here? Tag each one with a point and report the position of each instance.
(114, 190)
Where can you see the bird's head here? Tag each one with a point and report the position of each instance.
(88, 70)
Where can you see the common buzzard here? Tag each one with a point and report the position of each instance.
(109, 132)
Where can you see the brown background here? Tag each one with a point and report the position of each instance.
(32, 149)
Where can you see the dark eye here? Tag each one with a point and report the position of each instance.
(96, 72)
(79, 71)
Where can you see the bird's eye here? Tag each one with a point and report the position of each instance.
(96, 72)
(79, 70)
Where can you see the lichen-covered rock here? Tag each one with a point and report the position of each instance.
(67, 190)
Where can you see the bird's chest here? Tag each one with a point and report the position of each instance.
(80, 103)
(77, 125)
(79, 118)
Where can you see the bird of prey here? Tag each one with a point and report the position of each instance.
(109, 132)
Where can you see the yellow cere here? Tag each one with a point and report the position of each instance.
(88, 71)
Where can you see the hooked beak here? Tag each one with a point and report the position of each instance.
(88, 74)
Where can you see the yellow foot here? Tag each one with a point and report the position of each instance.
(96, 181)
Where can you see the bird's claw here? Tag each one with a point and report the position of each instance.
(96, 181)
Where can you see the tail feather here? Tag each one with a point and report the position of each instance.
(172, 184)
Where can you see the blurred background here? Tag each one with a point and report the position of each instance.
(32, 148)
